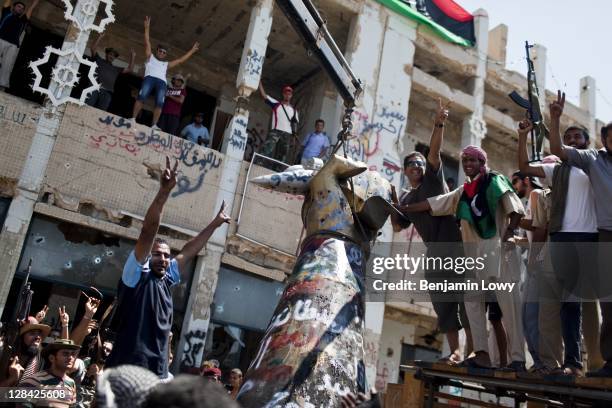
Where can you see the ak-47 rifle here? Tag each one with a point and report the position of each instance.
(532, 105)
(19, 315)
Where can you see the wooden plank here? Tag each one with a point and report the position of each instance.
(413, 394)
(394, 396)
(591, 382)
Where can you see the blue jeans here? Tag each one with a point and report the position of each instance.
(155, 86)
(573, 260)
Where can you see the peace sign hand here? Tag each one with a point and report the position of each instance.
(63, 316)
(442, 113)
(168, 177)
(556, 108)
(221, 217)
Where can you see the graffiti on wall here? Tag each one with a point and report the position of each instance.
(254, 62)
(193, 347)
(115, 133)
(373, 139)
(239, 133)
(11, 114)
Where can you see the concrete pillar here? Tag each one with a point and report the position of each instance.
(588, 92)
(197, 318)
(474, 127)
(498, 41)
(381, 52)
(14, 232)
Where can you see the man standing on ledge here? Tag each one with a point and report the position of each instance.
(144, 291)
(283, 128)
(489, 211)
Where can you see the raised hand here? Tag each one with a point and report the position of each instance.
(556, 108)
(195, 47)
(147, 22)
(63, 316)
(41, 315)
(525, 126)
(442, 113)
(168, 177)
(221, 217)
(15, 370)
(91, 306)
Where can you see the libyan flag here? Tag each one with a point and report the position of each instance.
(453, 17)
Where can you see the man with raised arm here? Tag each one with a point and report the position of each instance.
(13, 22)
(156, 69)
(283, 127)
(107, 74)
(597, 165)
(572, 230)
(489, 211)
(144, 291)
(440, 234)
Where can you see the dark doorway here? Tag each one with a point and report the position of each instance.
(32, 48)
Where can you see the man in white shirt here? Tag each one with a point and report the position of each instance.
(154, 81)
(283, 127)
(573, 230)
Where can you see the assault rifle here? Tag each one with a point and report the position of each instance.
(532, 105)
(19, 315)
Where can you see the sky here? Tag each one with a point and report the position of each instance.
(575, 34)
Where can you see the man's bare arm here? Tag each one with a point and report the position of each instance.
(85, 326)
(153, 216)
(416, 207)
(185, 57)
(93, 48)
(523, 160)
(179, 99)
(435, 143)
(556, 110)
(147, 42)
(31, 9)
(130, 67)
(195, 245)
(262, 91)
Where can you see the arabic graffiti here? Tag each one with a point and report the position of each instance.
(10, 113)
(194, 344)
(239, 135)
(115, 132)
(254, 142)
(254, 62)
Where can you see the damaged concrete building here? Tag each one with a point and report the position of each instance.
(73, 197)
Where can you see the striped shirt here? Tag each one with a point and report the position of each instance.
(46, 380)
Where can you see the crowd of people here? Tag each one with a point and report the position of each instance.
(552, 219)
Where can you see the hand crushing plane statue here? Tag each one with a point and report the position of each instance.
(312, 351)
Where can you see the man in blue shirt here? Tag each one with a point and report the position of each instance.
(144, 290)
(196, 132)
(316, 143)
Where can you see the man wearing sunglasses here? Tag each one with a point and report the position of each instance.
(156, 68)
(440, 234)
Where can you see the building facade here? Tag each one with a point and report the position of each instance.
(76, 181)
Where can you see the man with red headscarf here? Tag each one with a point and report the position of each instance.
(489, 211)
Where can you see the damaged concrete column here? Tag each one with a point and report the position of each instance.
(588, 90)
(381, 52)
(195, 325)
(474, 127)
(19, 215)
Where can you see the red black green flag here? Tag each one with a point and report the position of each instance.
(453, 17)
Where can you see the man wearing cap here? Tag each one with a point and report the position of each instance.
(171, 113)
(283, 127)
(13, 23)
(212, 374)
(61, 356)
(28, 360)
(146, 307)
(196, 132)
(107, 75)
(489, 211)
(156, 69)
